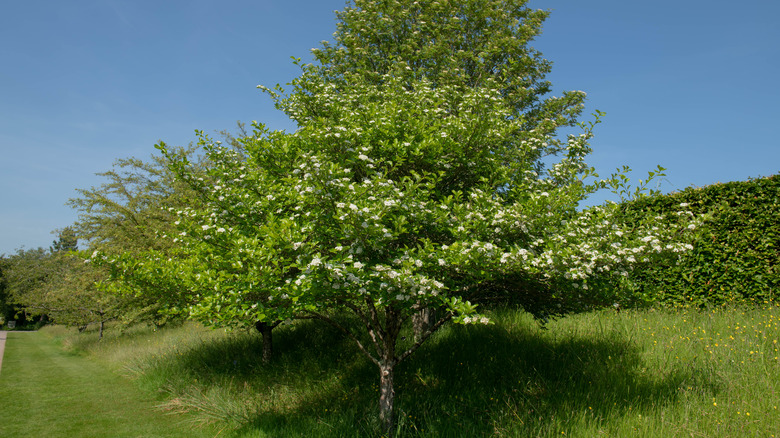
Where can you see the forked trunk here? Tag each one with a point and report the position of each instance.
(386, 398)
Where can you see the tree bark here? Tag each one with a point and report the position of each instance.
(100, 335)
(386, 398)
(268, 345)
(422, 321)
(387, 362)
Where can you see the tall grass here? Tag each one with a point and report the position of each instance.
(650, 373)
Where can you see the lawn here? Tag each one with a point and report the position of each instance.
(46, 391)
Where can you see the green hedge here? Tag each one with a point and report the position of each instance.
(736, 252)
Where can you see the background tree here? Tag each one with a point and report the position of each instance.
(8, 309)
(740, 241)
(66, 241)
(158, 271)
(58, 286)
(127, 215)
(207, 279)
(25, 274)
(128, 211)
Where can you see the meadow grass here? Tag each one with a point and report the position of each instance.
(648, 373)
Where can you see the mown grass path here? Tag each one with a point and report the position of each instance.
(2, 347)
(47, 391)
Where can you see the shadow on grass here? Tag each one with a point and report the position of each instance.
(487, 380)
(466, 381)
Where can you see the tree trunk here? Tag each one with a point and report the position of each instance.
(422, 321)
(387, 362)
(268, 345)
(386, 398)
(100, 333)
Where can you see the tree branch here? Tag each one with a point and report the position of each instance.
(425, 336)
(348, 333)
(377, 324)
(367, 322)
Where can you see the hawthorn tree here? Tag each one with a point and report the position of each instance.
(425, 170)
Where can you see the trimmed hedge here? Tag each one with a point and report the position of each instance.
(736, 252)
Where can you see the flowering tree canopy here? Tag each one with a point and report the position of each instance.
(425, 170)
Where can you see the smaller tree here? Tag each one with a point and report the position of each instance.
(71, 295)
(137, 224)
(58, 285)
(25, 274)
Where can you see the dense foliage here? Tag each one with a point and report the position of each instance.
(9, 311)
(56, 285)
(736, 253)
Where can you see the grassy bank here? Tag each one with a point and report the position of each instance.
(652, 373)
(48, 391)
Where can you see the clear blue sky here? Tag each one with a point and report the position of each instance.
(688, 84)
